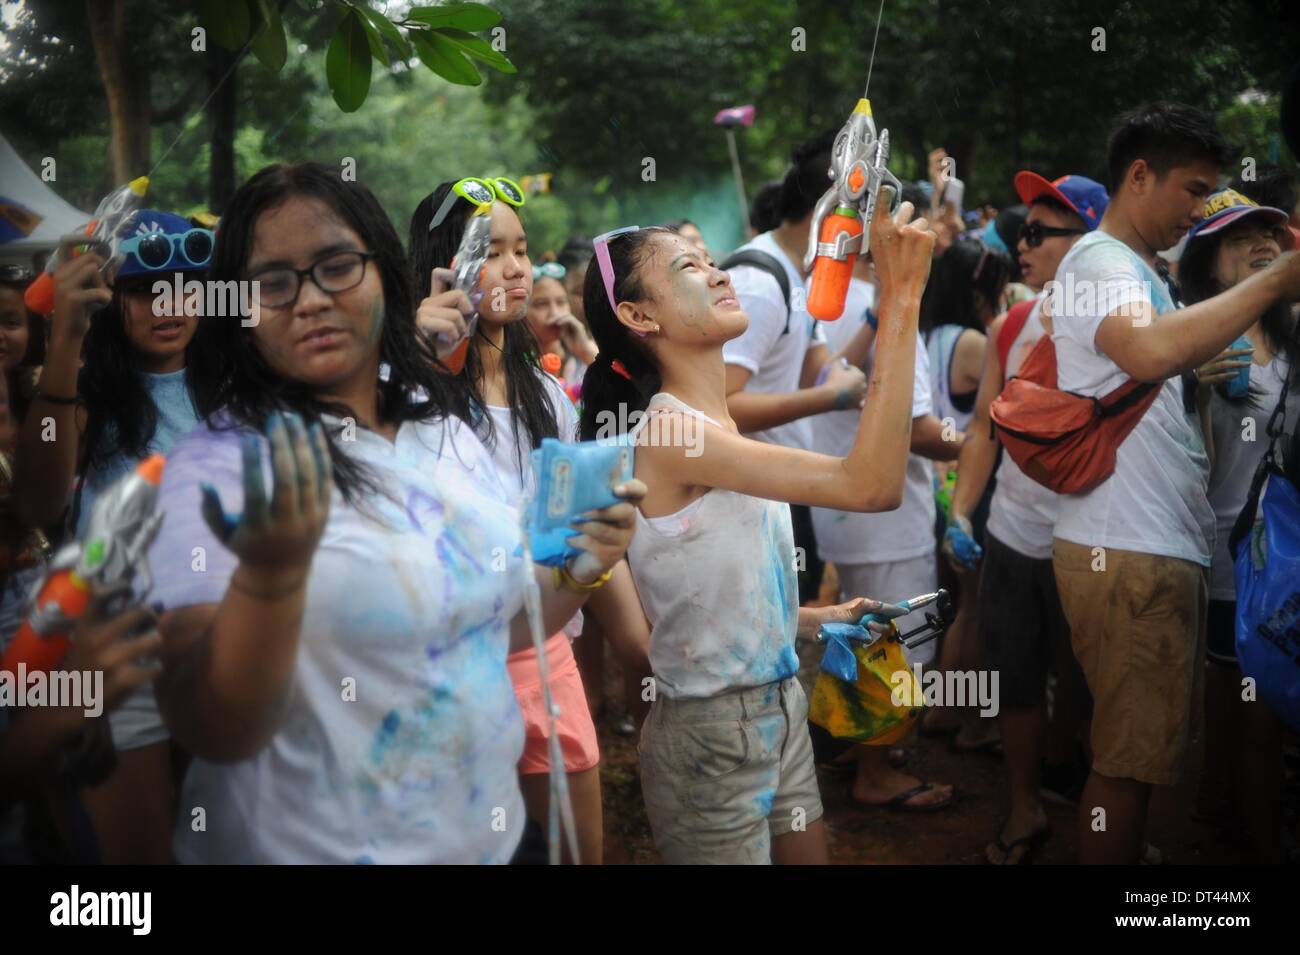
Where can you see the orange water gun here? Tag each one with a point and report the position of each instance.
(102, 564)
(112, 215)
(842, 218)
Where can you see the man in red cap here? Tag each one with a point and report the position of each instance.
(1022, 629)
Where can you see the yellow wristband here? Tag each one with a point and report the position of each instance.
(565, 579)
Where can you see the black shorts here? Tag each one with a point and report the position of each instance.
(1221, 632)
(1024, 634)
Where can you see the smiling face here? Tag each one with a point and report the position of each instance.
(548, 303)
(325, 340)
(1246, 248)
(507, 279)
(14, 330)
(690, 299)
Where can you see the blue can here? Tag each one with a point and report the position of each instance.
(1240, 385)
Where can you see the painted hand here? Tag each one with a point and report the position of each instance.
(281, 534)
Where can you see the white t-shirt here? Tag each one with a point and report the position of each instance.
(1235, 459)
(1023, 513)
(848, 537)
(510, 449)
(410, 610)
(774, 360)
(718, 584)
(1155, 501)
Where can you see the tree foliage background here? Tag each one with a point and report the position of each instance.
(604, 85)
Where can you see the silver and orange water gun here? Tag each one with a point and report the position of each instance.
(842, 218)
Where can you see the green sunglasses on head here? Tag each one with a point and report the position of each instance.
(478, 192)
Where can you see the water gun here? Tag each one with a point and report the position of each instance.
(112, 215)
(839, 661)
(470, 258)
(103, 564)
(842, 218)
(958, 542)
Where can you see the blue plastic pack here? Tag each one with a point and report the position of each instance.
(571, 480)
(1240, 385)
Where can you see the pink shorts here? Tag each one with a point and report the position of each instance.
(577, 731)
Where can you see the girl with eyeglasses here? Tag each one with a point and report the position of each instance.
(337, 664)
(726, 758)
(114, 389)
(512, 405)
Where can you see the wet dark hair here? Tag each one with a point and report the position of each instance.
(576, 252)
(1166, 135)
(677, 225)
(806, 180)
(1197, 283)
(967, 270)
(228, 372)
(526, 392)
(604, 390)
(764, 211)
(1272, 186)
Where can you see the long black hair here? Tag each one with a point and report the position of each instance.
(526, 392)
(1196, 282)
(604, 390)
(228, 372)
(967, 271)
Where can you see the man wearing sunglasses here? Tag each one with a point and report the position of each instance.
(1022, 630)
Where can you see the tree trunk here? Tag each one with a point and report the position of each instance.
(104, 18)
(221, 127)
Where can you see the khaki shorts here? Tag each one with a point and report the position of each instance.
(723, 775)
(1138, 631)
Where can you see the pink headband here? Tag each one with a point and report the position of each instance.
(600, 246)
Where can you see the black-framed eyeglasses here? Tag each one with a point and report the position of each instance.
(336, 272)
(1033, 233)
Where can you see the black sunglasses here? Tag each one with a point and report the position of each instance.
(1033, 233)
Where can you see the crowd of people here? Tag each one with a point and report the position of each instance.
(334, 662)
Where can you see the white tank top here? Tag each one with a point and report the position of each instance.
(1022, 514)
(718, 584)
(941, 346)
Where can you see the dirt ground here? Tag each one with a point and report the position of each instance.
(956, 835)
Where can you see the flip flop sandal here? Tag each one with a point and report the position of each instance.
(1031, 843)
(900, 803)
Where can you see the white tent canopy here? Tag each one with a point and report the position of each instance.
(21, 185)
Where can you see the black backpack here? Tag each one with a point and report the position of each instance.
(766, 263)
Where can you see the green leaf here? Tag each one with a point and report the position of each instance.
(268, 41)
(389, 31)
(478, 48)
(227, 23)
(461, 16)
(445, 58)
(373, 40)
(347, 63)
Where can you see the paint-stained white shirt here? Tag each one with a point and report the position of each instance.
(402, 733)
